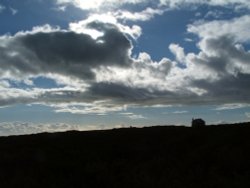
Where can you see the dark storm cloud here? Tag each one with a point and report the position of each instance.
(119, 91)
(122, 94)
(72, 48)
(66, 52)
(226, 90)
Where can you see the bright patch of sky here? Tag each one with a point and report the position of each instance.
(108, 63)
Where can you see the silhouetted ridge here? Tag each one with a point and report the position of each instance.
(157, 157)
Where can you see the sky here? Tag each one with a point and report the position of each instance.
(103, 64)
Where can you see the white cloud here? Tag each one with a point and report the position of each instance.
(4, 84)
(60, 8)
(247, 114)
(97, 107)
(36, 29)
(183, 3)
(114, 6)
(10, 96)
(180, 112)
(2, 8)
(188, 40)
(198, 14)
(238, 28)
(144, 15)
(98, 4)
(214, 14)
(13, 11)
(231, 106)
(126, 113)
(104, 5)
(136, 116)
(178, 52)
(21, 128)
(107, 18)
(133, 116)
(143, 73)
(222, 46)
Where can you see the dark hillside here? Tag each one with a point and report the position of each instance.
(155, 157)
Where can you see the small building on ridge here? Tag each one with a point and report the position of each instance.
(198, 123)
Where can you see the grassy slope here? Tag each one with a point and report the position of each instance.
(176, 157)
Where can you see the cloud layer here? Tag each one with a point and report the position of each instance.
(19, 128)
(93, 69)
(102, 4)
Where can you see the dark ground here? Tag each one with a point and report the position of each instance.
(157, 157)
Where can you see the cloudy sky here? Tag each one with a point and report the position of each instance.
(98, 64)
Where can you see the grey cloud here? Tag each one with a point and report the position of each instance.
(230, 54)
(122, 94)
(119, 91)
(231, 63)
(71, 48)
(226, 48)
(11, 96)
(219, 55)
(15, 100)
(227, 90)
(112, 94)
(65, 52)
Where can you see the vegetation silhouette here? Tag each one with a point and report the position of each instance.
(157, 157)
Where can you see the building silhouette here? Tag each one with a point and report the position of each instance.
(198, 123)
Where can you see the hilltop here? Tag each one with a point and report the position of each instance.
(160, 156)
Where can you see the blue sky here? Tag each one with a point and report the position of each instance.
(79, 64)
